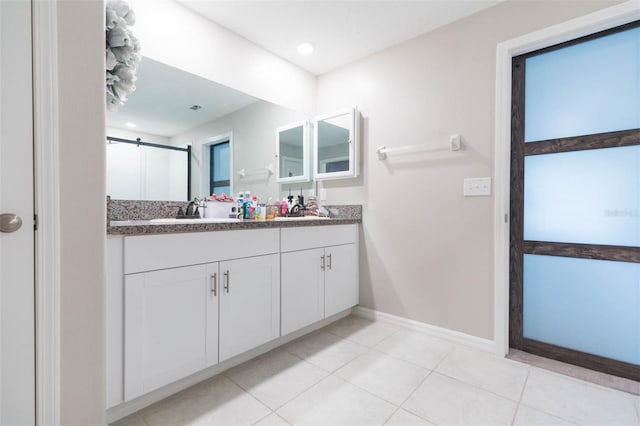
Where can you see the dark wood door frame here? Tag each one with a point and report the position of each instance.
(518, 246)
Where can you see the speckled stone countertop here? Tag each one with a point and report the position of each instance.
(127, 217)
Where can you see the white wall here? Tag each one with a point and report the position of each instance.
(82, 212)
(174, 35)
(426, 252)
(254, 146)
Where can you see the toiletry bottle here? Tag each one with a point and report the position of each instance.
(277, 209)
(285, 208)
(240, 205)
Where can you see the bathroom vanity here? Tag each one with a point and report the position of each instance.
(188, 300)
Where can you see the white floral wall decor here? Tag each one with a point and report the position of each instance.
(122, 53)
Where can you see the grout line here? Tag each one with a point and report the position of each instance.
(247, 391)
(526, 380)
(418, 387)
(410, 395)
(301, 392)
(263, 417)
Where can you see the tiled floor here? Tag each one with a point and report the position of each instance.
(358, 372)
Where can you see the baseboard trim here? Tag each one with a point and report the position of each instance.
(432, 330)
(126, 408)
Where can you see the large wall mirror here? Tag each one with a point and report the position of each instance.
(230, 134)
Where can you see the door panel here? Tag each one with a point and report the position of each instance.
(17, 340)
(302, 289)
(590, 87)
(249, 304)
(588, 197)
(583, 304)
(340, 282)
(165, 327)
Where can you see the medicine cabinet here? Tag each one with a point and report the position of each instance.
(336, 145)
(292, 152)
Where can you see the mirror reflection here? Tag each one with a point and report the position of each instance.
(293, 147)
(228, 131)
(333, 143)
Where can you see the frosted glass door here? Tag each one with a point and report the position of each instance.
(575, 202)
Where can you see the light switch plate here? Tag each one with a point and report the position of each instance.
(477, 187)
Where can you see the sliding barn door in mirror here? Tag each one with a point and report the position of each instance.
(575, 202)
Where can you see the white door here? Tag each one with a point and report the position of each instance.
(17, 340)
(171, 326)
(340, 279)
(249, 304)
(302, 288)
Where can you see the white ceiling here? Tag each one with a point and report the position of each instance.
(342, 31)
(160, 104)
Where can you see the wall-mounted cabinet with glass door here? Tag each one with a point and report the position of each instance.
(335, 138)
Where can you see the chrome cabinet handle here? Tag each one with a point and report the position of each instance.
(329, 263)
(226, 281)
(10, 222)
(322, 262)
(214, 283)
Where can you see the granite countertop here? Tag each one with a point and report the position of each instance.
(126, 217)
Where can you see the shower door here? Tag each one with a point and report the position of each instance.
(575, 202)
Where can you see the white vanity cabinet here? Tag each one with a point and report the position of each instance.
(190, 301)
(319, 274)
(180, 306)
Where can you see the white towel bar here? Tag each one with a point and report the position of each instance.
(454, 145)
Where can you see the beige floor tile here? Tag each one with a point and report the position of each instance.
(272, 420)
(578, 401)
(527, 416)
(276, 377)
(417, 348)
(498, 375)
(336, 402)
(389, 378)
(405, 418)
(360, 330)
(446, 401)
(215, 402)
(326, 350)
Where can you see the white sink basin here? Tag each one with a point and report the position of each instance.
(173, 221)
(287, 219)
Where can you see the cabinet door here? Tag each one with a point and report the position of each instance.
(302, 289)
(249, 304)
(341, 278)
(170, 326)
(336, 145)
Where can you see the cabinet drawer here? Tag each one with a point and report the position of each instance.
(308, 237)
(153, 252)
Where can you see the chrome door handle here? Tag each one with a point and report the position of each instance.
(226, 282)
(329, 263)
(322, 262)
(214, 283)
(10, 222)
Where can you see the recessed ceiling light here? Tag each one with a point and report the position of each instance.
(130, 124)
(305, 48)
